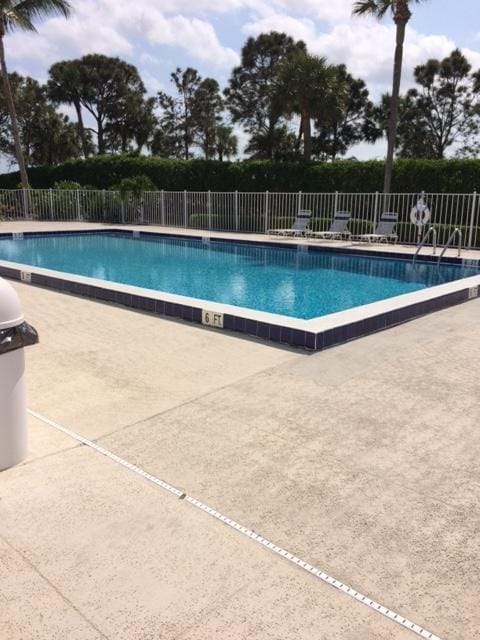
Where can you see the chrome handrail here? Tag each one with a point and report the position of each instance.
(449, 242)
(433, 231)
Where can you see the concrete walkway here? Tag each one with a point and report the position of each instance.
(363, 460)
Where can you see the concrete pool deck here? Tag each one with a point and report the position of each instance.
(363, 460)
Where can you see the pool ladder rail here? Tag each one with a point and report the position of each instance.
(450, 240)
(432, 231)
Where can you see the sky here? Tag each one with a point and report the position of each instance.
(159, 35)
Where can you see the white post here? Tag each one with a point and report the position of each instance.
(375, 209)
(299, 208)
(472, 220)
(162, 204)
(266, 211)
(185, 208)
(103, 203)
(209, 209)
(25, 204)
(122, 206)
(236, 210)
(13, 413)
(421, 227)
(79, 213)
(335, 207)
(50, 193)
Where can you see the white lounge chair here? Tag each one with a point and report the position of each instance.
(338, 228)
(298, 228)
(384, 231)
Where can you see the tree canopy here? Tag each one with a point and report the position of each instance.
(281, 103)
(22, 15)
(109, 89)
(47, 137)
(308, 87)
(249, 95)
(440, 113)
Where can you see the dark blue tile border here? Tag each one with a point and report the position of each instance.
(275, 333)
(311, 341)
(263, 330)
(251, 327)
(8, 272)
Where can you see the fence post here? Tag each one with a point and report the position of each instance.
(50, 199)
(185, 208)
(122, 208)
(79, 214)
(299, 208)
(209, 209)
(236, 210)
(103, 203)
(375, 209)
(25, 204)
(266, 211)
(335, 207)
(472, 220)
(162, 207)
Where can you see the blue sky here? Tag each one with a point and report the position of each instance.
(159, 35)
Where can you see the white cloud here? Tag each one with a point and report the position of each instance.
(365, 45)
(25, 46)
(331, 11)
(113, 27)
(473, 57)
(298, 28)
(121, 27)
(204, 6)
(196, 36)
(368, 49)
(84, 32)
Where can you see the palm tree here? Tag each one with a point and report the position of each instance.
(305, 85)
(226, 142)
(21, 14)
(400, 10)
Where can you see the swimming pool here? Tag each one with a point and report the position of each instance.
(283, 291)
(276, 280)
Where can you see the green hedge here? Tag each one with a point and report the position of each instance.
(410, 176)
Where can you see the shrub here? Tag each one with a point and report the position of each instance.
(67, 185)
(135, 186)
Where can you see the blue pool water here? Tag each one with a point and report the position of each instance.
(282, 281)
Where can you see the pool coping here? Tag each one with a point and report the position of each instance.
(315, 334)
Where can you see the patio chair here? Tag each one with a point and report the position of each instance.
(338, 228)
(384, 230)
(298, 228)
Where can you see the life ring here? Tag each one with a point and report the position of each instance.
(420, 214)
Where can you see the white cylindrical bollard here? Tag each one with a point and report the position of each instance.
(14, 335)
(13, 409)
